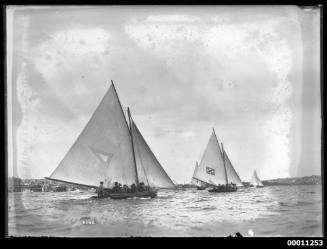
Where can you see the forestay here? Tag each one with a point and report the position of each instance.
(211, 168)
(149, 169)
(103, 151)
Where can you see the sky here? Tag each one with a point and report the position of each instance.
(250, 72)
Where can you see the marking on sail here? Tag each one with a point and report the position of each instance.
(210, 171)
(104, 156)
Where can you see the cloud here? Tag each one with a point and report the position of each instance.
(159, 132)
(64, 48)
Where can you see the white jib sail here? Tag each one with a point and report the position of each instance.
(211, 168)
(149, 169)
(231, 172)
(255, 181)
(194, 181)
(103, 151)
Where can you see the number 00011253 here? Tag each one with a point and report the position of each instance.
(316, 242)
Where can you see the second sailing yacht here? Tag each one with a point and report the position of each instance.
(215, 168)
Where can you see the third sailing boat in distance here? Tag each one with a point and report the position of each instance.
(215, 168)
(255, 181)
(113, 153)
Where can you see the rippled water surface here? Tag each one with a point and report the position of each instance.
(268, 211)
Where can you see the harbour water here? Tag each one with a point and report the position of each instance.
(268, 211)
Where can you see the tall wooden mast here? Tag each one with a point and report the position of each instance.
(223, 152)
(130, 130)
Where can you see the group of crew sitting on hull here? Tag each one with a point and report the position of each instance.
(228, 185)
(118, 188)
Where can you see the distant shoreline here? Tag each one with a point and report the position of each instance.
(305, 180)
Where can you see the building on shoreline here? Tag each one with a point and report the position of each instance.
(16, 184)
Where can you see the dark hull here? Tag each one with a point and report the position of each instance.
(200, 188)
(142, 194)
(256, 186)
(222, 190)
(119, 196)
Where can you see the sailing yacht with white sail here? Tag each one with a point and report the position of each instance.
(111, 151)
(255, 181)
(215, 168)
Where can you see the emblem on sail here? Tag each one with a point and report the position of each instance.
(105, 157)
(111, 151)
(210, 171)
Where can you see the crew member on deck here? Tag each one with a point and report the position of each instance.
(117, 188)
(146, 187)
(133, 188)
(100, 190)
(125, 188)
(140, 187)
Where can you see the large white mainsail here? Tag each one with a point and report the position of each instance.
(103, 151)
(255, 181)
(211, 169)
(149, 170)
(231, 172)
